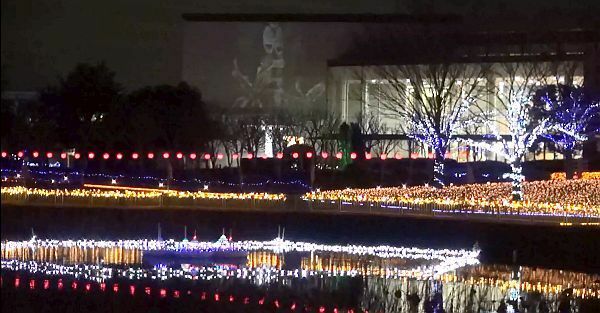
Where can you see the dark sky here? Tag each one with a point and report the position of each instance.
(141, 39)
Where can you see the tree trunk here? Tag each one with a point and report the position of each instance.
(169, 169)
(438, 169)
(568, 164)
(517, 180)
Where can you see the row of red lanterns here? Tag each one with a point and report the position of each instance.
(218, 156)
(204, 296)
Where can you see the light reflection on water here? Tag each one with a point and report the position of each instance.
(383, 287)
(532, 279)
(318, 261)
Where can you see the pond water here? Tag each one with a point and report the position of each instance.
(93, 260)
(315, 277)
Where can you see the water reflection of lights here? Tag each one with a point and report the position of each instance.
(432, 262)
(99, 273)
(545, 281)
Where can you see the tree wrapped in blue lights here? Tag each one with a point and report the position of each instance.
(573, 114)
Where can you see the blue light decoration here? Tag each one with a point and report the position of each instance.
(573, 112)
(58, 176)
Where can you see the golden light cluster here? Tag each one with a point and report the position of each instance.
(584, 175)
(554, 197)
(19, 191)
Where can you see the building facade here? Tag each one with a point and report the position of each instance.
(332, 62)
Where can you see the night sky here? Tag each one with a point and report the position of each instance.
(141, 40)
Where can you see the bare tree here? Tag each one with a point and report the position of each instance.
(432, 99)
(318, 127)
(513, 111)
(252, 131)
(281, 126)
(228, 134)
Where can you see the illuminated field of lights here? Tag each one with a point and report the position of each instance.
(572, 198)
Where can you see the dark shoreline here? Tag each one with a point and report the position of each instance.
(572, 248)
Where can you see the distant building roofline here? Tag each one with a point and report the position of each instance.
(538, 58)
(344, 18)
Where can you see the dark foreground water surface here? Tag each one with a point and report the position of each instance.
(522, 268)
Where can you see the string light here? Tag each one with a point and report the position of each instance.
(127, 193)
(572, 198)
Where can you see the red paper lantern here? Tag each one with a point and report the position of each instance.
(353, 155)
(63, 155)
(309, 154)
(179, 155)
(106, 156)
(165, 155)
(91, 155)
(119, 156)
(324, 155)
(35, 154)
(135, 155)
(279, 155)
(150, 155)
(383, 156)
(207, 156)
(49, 155)
(192, 156)
(339, 155)
(295, 155)
(77, 156)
